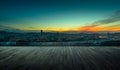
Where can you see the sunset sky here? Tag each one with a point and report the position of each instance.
(61, 15)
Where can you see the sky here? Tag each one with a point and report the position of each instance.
(61, 15)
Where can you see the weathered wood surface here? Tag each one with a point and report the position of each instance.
(59, 58)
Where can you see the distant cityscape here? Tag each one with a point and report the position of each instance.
(59, 38)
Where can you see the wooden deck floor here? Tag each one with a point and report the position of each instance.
(59, 58)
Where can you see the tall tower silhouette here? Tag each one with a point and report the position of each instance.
(41, 32)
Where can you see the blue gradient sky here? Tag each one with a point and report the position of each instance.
(59, 15)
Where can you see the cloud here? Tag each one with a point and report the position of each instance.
(3, 27)
(115, 17)
(99, 25)
(32, 28)
(5, 23)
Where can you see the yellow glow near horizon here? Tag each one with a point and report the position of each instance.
(103, 27)
(84, 28)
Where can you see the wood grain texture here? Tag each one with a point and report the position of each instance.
(59, 58)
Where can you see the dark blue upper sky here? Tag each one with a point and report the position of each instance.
(52, 14)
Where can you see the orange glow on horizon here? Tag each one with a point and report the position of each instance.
(90, 28)
(98, 28)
